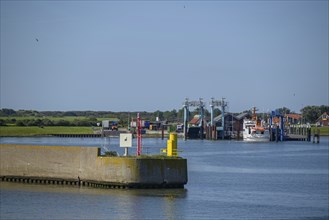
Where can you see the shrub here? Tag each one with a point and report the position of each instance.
(2, 122)
(111, 154)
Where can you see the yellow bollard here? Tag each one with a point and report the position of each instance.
(172, 145)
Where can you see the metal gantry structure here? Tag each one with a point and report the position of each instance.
(279, 129)
(199, 104)
(216, 103)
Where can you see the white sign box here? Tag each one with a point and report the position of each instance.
(126, 140)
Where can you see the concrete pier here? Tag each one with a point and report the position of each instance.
(84, 166)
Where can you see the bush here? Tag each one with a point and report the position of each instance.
(47, 122)
(111, 154)
(62, 123)
(20, 123)
(2, 122)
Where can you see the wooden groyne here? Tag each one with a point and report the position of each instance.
(77, 135)
(106, 133)
(85, 166)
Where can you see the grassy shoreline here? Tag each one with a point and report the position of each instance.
(30, 131)
(324, 131)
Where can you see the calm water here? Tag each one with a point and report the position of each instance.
(227, 180)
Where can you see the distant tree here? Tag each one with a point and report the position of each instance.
(2, 122)
(38, 122)
(159, 114)
(195, 111)
(69, 114)
(206, 113)
(180, 114)
(217, 112)
(324, 108)
(170, 115)
(62, 123)
(312, 113)
(7, 112)
(47, 122)
(284, 110)
(20, 123)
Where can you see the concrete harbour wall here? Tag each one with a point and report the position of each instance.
(85, 165)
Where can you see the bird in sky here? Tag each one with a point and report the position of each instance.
(37, 39)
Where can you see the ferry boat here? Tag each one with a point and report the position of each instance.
(255, 130)
(254, 133)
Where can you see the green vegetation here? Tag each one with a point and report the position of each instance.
(16, 131)
(110, 154)
(324, 131)
(52, 121)
(79, 118)
(312, 113)
(30, 122)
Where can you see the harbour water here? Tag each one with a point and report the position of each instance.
(226, 180)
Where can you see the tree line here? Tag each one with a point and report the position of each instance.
(48, 122)
(311, 113)
(174, 114)
(89, 118)
(83, 118)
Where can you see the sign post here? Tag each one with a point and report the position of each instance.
(126, 142)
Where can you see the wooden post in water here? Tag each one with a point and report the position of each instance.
(215, 132)
(313, 136)
(309, 134)
(316, 134)
(206, 130)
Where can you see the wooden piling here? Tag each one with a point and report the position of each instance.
(309, 134)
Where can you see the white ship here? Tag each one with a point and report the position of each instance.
(255, 130)
(254, 133)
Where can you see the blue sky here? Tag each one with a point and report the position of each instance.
(147, 56)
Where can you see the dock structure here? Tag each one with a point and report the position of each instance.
(202, 129)
(277, 131)
(85, 166)
(298, 133)
(198, 104)
(213, 129)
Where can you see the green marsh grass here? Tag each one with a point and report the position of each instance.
(24, 131)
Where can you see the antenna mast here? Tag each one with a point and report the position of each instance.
(139, 135)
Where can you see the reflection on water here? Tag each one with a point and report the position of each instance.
(227, 180)
(255, 170)
(171, 193)
(117, 203)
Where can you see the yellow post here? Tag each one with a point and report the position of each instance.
(172, 145)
